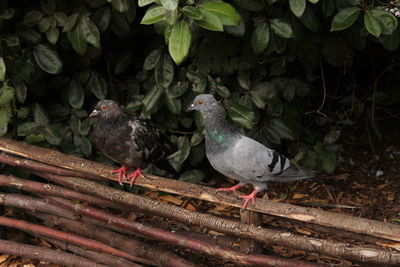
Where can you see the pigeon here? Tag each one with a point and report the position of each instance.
(131, 141)
(240, 157)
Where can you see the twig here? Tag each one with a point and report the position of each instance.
(158, 256)
(180, 240)
(280, 209)
(71, 238)
(318, 111)
(45, 254)
(98, 257)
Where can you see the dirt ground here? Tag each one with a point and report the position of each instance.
(366, 185)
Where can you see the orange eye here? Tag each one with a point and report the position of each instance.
(200, 102)
(103, 107)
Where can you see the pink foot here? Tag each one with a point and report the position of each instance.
(121, 173)
(249, 197)
(135, 175)
(230, 189)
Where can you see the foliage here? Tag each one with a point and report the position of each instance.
(263, 58)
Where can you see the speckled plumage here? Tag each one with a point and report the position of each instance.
(240, 157)
(126, 139)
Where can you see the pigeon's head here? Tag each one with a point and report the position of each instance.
(204, 103)
(105, 109)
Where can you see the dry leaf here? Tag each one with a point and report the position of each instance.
(190, 207)
(298, 195)
(171, 199)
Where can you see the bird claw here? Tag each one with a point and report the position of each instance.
(121, 173)
(229, 189)
(134, 176)
(249, 197)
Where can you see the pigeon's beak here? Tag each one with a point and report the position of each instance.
(94, 113)
(191, 107)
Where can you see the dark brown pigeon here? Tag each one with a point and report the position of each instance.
(130, 141)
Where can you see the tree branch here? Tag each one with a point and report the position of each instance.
(45, 254)
(330, 219)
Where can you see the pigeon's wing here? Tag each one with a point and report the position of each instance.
(149, 141)
(255, 163)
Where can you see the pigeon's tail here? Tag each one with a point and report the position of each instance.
(294, 173)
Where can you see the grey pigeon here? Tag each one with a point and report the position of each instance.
(240, 157)
(129, 140)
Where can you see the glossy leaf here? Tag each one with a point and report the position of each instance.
(32, 18)
(224, 11)
(164, 71)
(89, 31)
(243, 116)
(197, 137)
(388, 20)
(47, 59)
(77, 40)
(372, 24)
(260, 38)
(152, 59)
(70, 22)
(345, 18)
(3, 69)
(4, 119)
(76, 94)
(174, 105)
(210, 22)
(52, 35)
(192, 176)
(251, 5)
(120, 5)
(152, 98)
(179, 41)
(52, 135)
(26, 128)
(20, 91)
(154, 14)
(98, 85)
(297, 7)
(281, 28)
(83, 144)
(102, 18)
(192, 12)
(145, 2)
(262, 92)
(169, 4)
(178, 89)
(281, 129)
(39, 114)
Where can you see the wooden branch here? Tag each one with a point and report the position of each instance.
(158, 256)
(96, 256)
(179, 240)
(288, 239)
(71, 238)
(45, 254)
(330, 219)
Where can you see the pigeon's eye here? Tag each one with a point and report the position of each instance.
(103, 107)
(200, 102)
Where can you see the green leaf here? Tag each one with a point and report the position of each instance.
(61, 18)
(152, 59)
(274, 107)
(262, 92)
(164, 71)
(70, 22)
(48, 6)
(192, 176)
(297, 7)
(89, 31)
(171, 16)
(332, 137)
(52, 135)
(26, 128)
(210, 22)
(224, 11)
(313, 1)
(4, 119)
(260, 38)
(388, 20)
(391, 42)
(39, 114)
(310, 160)
(2, 70)
(281, 129)
(152, 98)
(178, 89)
(169, 4)
(281, 28)
(345, 18)
(83, 144)
(174, 104)
(222, 90)
(184, 147)
(47, 59)
(77, 40)
(76, 95)
(192, 12)
(145, 2)
(372, 24)
(44, 24)
(98, 85)
(243, 116)
(52, 35)
(32, 18)
(102, 18)
(329, 163)
(197, 155)
(179, 41)
(197, 137)
(154, 14)
(20, 91)
(120, 5)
